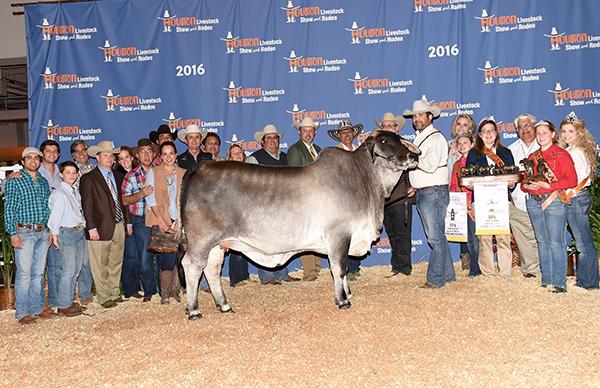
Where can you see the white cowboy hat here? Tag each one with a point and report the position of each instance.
(306, 122)
(422, 106)
(388, 116)
(192, 128)
(268, 129)
(104, 146)
(342, 126)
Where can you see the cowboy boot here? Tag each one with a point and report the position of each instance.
(176, 285)
(165, 286)
(465, 261)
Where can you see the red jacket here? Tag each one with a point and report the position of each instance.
(560, 162)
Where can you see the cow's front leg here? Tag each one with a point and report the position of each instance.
(192, 277)
(213, 276)
(338, 260)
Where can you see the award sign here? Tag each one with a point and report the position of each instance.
(456, 217)
(491, 208)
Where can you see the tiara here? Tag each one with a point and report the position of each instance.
(572, 118)
(490, 118)
(542, 122)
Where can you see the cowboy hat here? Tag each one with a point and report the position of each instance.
(162, 129)
(306, 122)
(342, 126)
(144, 142)
(422, 106)
(192, 128)
(104, 146)
(388, 116)
(268, 129)
(29, 151)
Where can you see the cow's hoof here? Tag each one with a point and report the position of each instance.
(345, 306)
(226, 309)
(195, 316)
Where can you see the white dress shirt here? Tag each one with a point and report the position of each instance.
(432, 169)
(65, 208)
(520, 151)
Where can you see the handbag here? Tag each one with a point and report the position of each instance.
(162, 242)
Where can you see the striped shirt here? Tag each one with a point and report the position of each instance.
(26, 201)
(132, 184)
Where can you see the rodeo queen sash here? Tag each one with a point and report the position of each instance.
(456, 217)
(561, 194)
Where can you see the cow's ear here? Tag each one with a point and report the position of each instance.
(370, 143)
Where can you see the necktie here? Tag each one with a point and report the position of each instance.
(113, 192)
(312, 151)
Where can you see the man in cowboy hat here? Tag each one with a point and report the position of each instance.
(191, 136)
(270, 155)
(26, 213)
(105, 218)
(134, 192)
(345, 134)
(301, 153)
(397, 213)
(162, 134)
(430, 181)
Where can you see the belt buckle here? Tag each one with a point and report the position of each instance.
(79, 227)
(38, 227)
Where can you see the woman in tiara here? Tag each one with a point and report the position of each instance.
(546, 204)
(580, 144)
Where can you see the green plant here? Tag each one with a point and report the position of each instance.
(8, 254)
(595, 212)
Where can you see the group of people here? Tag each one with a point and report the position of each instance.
(82, 224)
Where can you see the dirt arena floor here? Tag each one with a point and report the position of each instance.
(474, 332)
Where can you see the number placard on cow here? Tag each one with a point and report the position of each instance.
(456, 218)
(491, 208)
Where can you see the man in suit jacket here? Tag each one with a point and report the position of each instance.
(105, 217)
(304, 152)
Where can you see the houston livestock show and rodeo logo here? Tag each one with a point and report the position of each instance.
(249, 45)
(62, 32)
(128, 54)
(451, 107)
(114, 102)
(69, 133)
(188, 23)
(510, 74)
(251, 95)
(380, 85)
(313, 64)
(375, 35)
(63, 81)
(312, 14)
(177, 123)
(506, 23)
(575, 41)
(573, 97)
(320, 116)
(440, 5)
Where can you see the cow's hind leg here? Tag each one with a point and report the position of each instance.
(213, 276)
(192, 265)
(338, 260)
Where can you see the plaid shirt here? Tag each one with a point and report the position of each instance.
(26, 201)
(132, 184)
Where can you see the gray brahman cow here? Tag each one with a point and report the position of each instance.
(333, 206)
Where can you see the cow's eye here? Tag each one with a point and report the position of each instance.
(383, 141)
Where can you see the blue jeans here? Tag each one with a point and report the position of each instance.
(147, 268)
(31, 263)
(238, 268)
(266, 275)
(549, 227)
(84, 282)
(130, 272)
(53, 275)
(473, 248)
(431, 205)
(72, 251)
(578, 217)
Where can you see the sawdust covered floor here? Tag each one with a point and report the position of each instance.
(474, 332)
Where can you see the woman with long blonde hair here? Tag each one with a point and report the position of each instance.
(580, 144)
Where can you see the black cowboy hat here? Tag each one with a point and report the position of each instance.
(163, 128)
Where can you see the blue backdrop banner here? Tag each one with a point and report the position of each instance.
(116, 69)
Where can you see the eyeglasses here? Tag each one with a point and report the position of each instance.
(524, 126)
(389, 125)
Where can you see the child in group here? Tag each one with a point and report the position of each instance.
(469, 251)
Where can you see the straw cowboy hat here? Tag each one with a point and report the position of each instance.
(192, 128)
(342, 126)
(388, 116)
(104, 146)
(422, 106)
(306, 122)
(267, 130)
(144, 142)
(162, 129)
